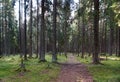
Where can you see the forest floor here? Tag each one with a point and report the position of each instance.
(73, 71)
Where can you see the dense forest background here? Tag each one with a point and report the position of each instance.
(59, 26)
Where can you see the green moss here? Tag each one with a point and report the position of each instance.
(62, 58)
(108, 72)
(37, 72)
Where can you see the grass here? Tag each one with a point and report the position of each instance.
(37, 72)
(40, 72)
(108, 72)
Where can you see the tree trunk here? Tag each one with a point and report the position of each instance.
(96, 32)
(2, 32)
(78, 38)
(111, 41)
(119, 43)
(54, 56)
(83, 36)
(25, 36)
(37, 30)
(65, 38)
(30, 53)
(105, 39)
(1, 21)
(5, 31)
(20, 47)
(42, 34)
(0, 38)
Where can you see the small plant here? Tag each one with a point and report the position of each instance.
(22, 66)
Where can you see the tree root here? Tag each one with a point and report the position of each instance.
(42, 61)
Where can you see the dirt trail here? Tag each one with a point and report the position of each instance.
(73, 71)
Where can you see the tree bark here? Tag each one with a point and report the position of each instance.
(5, 31)
(2, 33)
(65, 38)
(78, 38)
(111, 41)
(42, 34)
(37, 30)
(119, 43)
(54, 56)
(30, 53)
(1, 21)
(20, 46)
(0, 38)
(25, 36)
(96, 32)
(83, 36)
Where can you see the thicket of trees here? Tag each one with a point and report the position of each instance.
(45, 26)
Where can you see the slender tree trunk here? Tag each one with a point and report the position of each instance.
(91, 32)
(111, 41)
(42, 34)
(65, 38)
(37, 30)
(119, 43)
(20, 47)
(88, 41)
(5, 31)
(96, 32)
(78, 48)
(91, 41)
(2, 45)
(105, 39)
(30, 53)
(100, 37)
(0, 38)
(25, 29)
(83, 36)
(1, 33)
(54, 57)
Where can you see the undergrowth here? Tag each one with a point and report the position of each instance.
(108, 72)
(37, 72)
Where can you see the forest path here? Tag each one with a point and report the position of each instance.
(73, 71)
